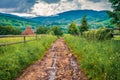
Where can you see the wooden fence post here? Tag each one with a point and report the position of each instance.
(24, 38)
(36, 36)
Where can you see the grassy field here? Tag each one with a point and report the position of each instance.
(117, 37)
(14, 58)
(17, 39)
(100, 60)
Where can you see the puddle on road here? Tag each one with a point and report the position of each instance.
(74, 66)
(54, 67)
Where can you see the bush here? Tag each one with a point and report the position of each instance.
(42, 30)
(73, 29)
(100, 34)
(57, 31)
(9, 30)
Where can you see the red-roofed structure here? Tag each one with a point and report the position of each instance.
(28, 31)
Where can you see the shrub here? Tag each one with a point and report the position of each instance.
(100, 34)
(42, 30)
(57, 31)
(8, 30)
(73, 29)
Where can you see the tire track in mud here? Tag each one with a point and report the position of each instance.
(57, 64)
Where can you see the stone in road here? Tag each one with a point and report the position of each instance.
(57, 64)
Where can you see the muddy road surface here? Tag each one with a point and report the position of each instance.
(57, 64)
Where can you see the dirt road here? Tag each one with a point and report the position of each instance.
(57, 64)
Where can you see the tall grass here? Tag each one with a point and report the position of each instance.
(17, 39)
(16, 57)
(100, 60)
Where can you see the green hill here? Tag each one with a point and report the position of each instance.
(96, 19)
(16, 21)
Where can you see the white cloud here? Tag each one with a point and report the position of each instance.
(46, 9)
(24, 14)
(42, 8)
(102, 5)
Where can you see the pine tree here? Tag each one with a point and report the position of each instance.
(115, 14)
(73, 29)
(84, 25)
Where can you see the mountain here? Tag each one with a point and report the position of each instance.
(16, 21)
(95, 18)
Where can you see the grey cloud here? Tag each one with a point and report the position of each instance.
(70, 0)
(95, 0)
(8, 3)
(26, 6)
(18, 5)
(51, 1)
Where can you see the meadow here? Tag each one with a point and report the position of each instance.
(17, 38)
(14, 58)
(100, 60)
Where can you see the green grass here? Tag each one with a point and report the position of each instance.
(10, 39)
(17, 39)
(14, 58)
(117, 37)
(100, 60)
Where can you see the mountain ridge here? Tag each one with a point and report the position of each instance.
(63, 19)
(95, 18)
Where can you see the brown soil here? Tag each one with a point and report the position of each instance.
(57, 64)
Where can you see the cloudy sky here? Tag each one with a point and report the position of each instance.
(50, 7)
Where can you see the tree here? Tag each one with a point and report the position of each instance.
(9, 30)
(42, 30)
(57, 31)
(115, 14)
(73, 29)
(84, 25)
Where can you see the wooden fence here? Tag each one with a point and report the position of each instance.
(24, 39)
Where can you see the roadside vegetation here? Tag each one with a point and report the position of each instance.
(73, 29)
(55, 30)
(98, 34)
(14, 58)
(100, 60)
(97, 50)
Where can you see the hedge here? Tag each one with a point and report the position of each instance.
(98, 34)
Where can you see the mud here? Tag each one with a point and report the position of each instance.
(57, 64)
